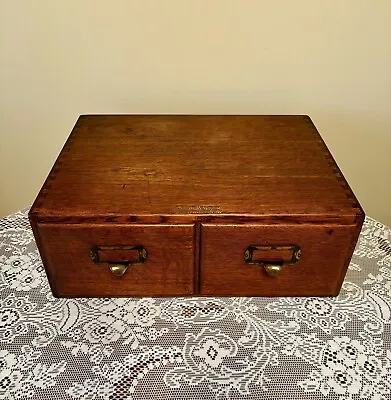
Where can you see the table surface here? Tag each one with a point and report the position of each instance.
(194, 348)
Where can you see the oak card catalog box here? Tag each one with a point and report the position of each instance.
(205, 205)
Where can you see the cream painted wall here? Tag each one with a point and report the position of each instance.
(329, 59)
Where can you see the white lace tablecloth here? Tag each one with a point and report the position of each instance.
(194, 348)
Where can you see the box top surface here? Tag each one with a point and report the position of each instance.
(182, 166)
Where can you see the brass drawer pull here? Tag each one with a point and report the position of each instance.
(273, 258)
(118, 258)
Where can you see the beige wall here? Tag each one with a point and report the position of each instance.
(329, 59)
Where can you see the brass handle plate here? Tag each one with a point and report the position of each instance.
(118, 258)
(273, 258)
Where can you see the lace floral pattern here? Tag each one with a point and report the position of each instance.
(215, 348)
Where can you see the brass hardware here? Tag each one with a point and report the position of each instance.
(272, 269)
(273, 264)
(118, 266)
(118, 269)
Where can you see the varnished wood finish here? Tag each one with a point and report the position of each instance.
(148, 165)
(168, 270)
(317, 273)
(157, 173)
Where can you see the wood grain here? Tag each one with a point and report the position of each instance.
(148, 165)
(195, 190)
(169, 269)
(325, 252)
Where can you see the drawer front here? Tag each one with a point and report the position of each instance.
(293, 260)
(87, 261)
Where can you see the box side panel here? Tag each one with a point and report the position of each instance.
(42, 252)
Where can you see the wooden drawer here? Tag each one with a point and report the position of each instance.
(167, 270)
(325, 255)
